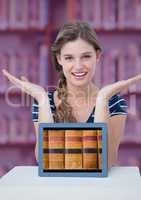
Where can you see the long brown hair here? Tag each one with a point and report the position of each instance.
(69, 32)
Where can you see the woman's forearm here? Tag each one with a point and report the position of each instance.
(101, 110)
(45, 115)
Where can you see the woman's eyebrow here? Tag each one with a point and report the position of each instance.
(67, 55)
(87, 52)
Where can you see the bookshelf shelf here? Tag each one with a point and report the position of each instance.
(24, 31)
(17, 145)
(110, 31)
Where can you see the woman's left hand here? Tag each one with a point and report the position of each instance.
(108, 91)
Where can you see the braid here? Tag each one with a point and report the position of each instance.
(64, 110)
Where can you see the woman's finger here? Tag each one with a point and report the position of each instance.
(126, 83)
(133, 80)
(13, 79)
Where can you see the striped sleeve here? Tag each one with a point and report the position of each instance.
(35, 111)
(117, 105)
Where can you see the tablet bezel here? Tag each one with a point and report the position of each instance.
(72, 126)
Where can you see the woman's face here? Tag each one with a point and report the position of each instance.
(78, 60)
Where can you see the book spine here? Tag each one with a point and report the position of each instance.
(3, 15)
(90, 154)
(121, 14)
(73, 149)
(56, 149)
(97, 21)
(4, 58)
(43, 73)
(4, 129)
(43, 13)
(109, 12)
(45, 148)
(33, 12)
(138, 14)
(99, 140)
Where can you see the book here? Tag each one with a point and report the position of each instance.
(4, 129)
(110, 65)
(43, 65)
(45, 147)
(3, 14)
(56, 144)
(4, 63)
(138, 14)
(90, 149)
(43, 13)
(73, 149)
(126, 14)
(109, 14)
(99, 140)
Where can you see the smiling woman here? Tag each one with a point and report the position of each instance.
(75, 53)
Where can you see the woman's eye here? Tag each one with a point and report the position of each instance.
(87, 56)
(68, 58)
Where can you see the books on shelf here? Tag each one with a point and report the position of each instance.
(110, 14)
(129, 14)
(4, 128)
(89, 12)
(43, 65)
(110, 66)
(29, 64)
(24, 14)
(3, 14)
(15, 128)
(120, 64)
(4, 63)
(129, 65)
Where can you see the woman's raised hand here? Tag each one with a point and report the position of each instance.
(108, 91)
(34, 90)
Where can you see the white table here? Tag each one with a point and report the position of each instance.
(122, 183)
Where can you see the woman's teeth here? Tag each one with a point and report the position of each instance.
(80, 74)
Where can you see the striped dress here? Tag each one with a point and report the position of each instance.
(117, 106)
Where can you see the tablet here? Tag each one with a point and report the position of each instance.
(72, 149)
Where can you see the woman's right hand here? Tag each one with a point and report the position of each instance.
(31, 89)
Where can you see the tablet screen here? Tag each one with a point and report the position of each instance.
(72, 148)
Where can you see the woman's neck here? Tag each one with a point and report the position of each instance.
(82, 94)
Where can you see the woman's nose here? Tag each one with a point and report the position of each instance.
(78, 65)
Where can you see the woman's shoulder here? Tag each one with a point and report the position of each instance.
(117, 105)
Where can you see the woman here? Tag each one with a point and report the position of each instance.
(75, 53)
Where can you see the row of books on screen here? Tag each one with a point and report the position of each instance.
(119, 64)
(27, 64)
(72, 149)
(23, 14)
(110, 14)
(16, 128)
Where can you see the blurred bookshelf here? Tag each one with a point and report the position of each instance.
(27, 30)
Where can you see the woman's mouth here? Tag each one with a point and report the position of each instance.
(79, 75)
